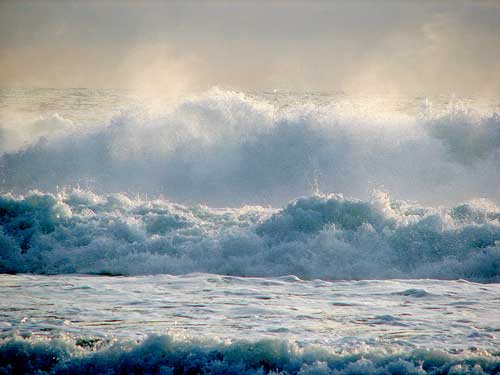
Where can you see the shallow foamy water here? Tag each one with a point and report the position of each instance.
(344, 314)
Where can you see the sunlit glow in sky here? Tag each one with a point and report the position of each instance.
(356, 45)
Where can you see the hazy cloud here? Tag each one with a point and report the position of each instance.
(425, 46)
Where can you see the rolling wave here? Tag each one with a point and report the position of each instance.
(168, 355)
(224, 148)
(320, 236)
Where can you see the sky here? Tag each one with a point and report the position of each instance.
(445, 46)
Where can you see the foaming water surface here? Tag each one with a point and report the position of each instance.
(225, 148)
(138, 236)
(343, 314)
(321, 236)
(196, 323)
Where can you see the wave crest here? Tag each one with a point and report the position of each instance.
(322, 236)
(168, 355)
(226, 148)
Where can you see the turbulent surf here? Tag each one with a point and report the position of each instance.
(335, 235)
(225, 148)
(322, 236)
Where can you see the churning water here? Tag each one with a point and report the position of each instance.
(311, 233)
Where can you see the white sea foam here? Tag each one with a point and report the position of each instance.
(73, 324)
(225, 148)
(167, 355)
(241, 151)
(321, 236)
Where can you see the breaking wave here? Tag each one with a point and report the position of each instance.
(224, 148)
(320, 236)
(168, 355)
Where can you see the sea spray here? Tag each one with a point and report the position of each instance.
(320, 236)
(227, 149)
(170, 355)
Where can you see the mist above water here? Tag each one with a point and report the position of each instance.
(225, 148)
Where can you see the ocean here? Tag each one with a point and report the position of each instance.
(273, 232)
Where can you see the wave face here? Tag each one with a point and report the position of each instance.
(224, 148)
(321, 236)
(167, 355)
